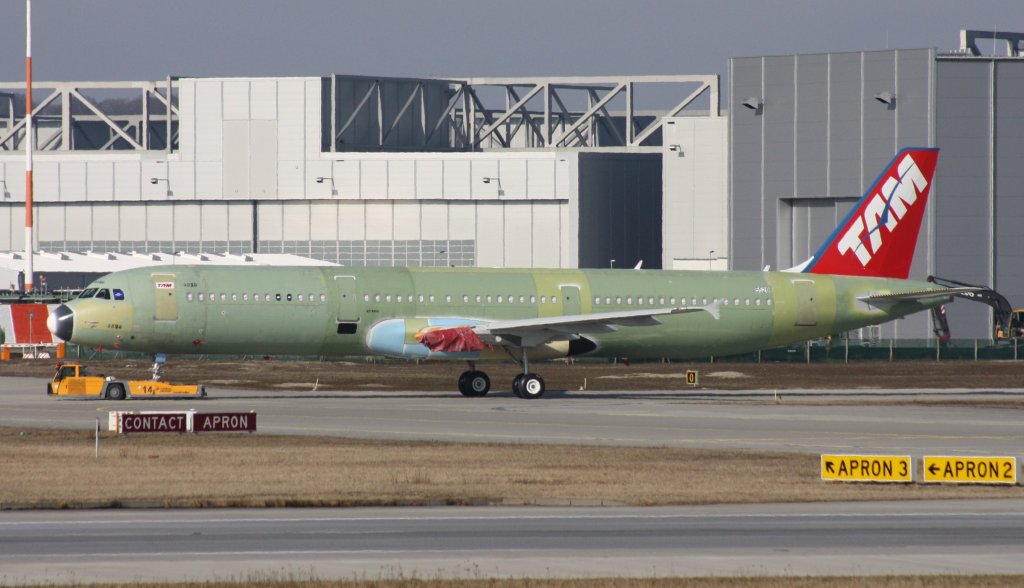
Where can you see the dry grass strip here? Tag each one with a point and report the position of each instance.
(57, 469)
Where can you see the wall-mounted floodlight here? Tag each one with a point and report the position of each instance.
(755, 103)
(497, 181)
(156, 181)
(887, 98)
(677, 149)
(5, 193)
(322, 179)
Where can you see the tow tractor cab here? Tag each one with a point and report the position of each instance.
(72, 380)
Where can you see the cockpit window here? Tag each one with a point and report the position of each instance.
(118, 294)
(104, 294)
(88, 293)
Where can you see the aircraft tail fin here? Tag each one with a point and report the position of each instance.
(879, 235)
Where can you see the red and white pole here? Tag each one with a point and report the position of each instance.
(29, 139)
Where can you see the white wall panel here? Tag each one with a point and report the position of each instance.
(512, 174)
(187, 119)
(73, 184)
(187, 222)
(296, 221)
(351, 221)
(270, 220)
(7, 229)
(540, 181)
(263, 159)
(547, 236)
(290, 179)
(213, 221)
(434, 220)
(132, 222)
(323, 221)
(159, 221)
(379, 221)
(209, 122)
(461, 220)
(490, 230)
(239, 221)
(407, 221)
(183, 180)
(373, 179)
(457, 178)
(236, 159)
(430, 179)
(263, 95)
(48, 222)
(13, 187)
(564, 174)
(518, 235)
(127, 181)
(99, 180)
(45, 184)
(105, 225)
(347, 179)
(77, 223)
(401, 179)
(312, 118)
(236, 99)
(291, 117)
(208, 180)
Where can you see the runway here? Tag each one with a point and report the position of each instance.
(962, 537)
(836, 421)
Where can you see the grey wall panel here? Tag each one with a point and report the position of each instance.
(913, 91)
(845, 124)
(879, 119)
(962, 184)
(745, 161)
(263, 160)
(811, 126)
(1009, 181)
(236, 159)
(779, 117)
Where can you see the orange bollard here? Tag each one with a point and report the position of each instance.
(5, 353)
(60, 350)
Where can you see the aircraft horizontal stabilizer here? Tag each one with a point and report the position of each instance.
(886, 300)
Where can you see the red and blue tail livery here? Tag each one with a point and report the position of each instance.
(879, 235)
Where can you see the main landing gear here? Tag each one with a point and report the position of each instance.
(474, 383)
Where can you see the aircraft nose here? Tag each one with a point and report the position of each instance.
(61, 322)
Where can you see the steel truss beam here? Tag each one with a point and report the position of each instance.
(132, 130)
(534, 113)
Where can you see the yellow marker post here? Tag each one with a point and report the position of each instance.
(691, 377)
(867, 468)
(970, 469)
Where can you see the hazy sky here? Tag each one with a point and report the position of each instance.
(151, 39)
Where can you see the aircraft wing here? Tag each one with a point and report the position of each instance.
(537, 331)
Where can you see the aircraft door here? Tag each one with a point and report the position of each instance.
(165, 298)
(570, 300)
(806, 307)
(348, 303)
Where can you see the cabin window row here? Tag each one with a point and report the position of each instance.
(671, 301)
(466, 298)
(254, 297)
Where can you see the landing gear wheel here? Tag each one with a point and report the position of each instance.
(474, 384)
(531, 386)
(517, 385)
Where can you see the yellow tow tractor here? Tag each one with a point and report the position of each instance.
(71, 381)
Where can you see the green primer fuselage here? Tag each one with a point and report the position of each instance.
(331, 310)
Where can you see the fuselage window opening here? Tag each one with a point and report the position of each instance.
(245, 297)
(387, 298)
(118, 294)
(234, 297)
(212, 297)
(103, 294)
(266, 296)
(533, 299)
(650, 300)
(629, 300)
(511, 299)
(366, 297)
(448, 298)
(725, 301)
(757, 302)
(302, 297)
(746, 302)
(465, 298)
(223, 297)
(661, 300)
(543, 299)
(522, 299)
(202, 297)
(693, 301)
(432, 298)
(420, 298)
(672, 301)
(501, 299)
(597, 300)
(288, 297)
(87, 293)
(768, 302)
(478, 299)
(376, 297)
(277, 297)
(398, 298)
(703, 300)
(323, 298)
(618, 300)
(188, 296)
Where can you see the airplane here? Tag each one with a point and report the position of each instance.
(855, 279)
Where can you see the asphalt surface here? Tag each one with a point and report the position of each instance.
(964, 537)
(831, 421)
(937, 537)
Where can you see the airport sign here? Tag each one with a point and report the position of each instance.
(691, 377)
(970, 469)
(867, 468)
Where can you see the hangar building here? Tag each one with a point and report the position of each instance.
(809, 133)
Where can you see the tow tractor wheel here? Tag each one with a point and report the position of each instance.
(531, 386)
(474, 384)
(115, 392)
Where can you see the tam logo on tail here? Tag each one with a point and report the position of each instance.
(879, 235)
